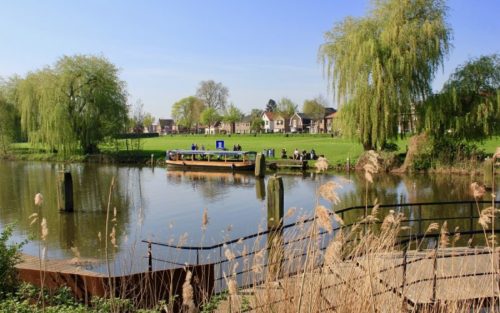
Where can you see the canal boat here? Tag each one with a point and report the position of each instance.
(211, 160)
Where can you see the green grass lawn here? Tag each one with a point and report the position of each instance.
(335, 149)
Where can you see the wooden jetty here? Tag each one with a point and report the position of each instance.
(471, 276)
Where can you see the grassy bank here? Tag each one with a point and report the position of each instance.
(335, 149)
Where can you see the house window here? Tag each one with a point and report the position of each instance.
(267, 122)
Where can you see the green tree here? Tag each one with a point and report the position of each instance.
(187, 111)
(214, 95)
(468, 107)
(10, 128)
(380, 64)
(256, 122)
(8, 116)
(76, 103)
(315, 108)
(286, 108)
(271, 106)
(232, 115)
(209, 117)
(148, 120)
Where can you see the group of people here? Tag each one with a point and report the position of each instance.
(194, 146)
(297, 155)
(237, 147)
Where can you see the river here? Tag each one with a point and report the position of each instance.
(163, 205)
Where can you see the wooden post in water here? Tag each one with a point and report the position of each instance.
(275, 202)
(260, 165)
(65, 195)
(488, 168)
(275, 205)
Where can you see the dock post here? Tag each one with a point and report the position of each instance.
(65, 195)
(260, 165)
(488, 170)
(275, 205)
(275, 202)
(348, 165)
(152, 160)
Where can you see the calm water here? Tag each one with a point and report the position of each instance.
(163, 205)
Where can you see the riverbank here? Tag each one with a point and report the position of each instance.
(338, 151)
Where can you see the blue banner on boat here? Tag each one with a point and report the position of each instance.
(219, 144)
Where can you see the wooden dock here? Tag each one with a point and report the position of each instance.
(472, 277)
(66, 266)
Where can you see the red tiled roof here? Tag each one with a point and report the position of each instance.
(269, 115)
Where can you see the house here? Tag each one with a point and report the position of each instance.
(268, 118)
(213, 129)
(165, 126)
(243, 126)
(300, 123)
(281, 124)
(320, 126)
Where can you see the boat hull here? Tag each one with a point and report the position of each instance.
(212, 165)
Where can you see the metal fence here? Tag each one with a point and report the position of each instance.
(163, 255)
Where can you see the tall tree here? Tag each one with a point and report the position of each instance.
(315, 108)
(271, 106)
(214, 95)
(286, 108)
(76, 103)
(468, 107)
(187, 111)
(256, 122)
(380, 64)
(232, 115)
(8, 115)
(210, 116)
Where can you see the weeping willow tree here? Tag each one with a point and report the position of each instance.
(74, 104)
(468, 107)
(381, 64)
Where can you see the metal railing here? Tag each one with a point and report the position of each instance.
(419, 215)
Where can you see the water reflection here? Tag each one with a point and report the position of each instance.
(162, 205)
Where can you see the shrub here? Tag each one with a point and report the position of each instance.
(10, 255)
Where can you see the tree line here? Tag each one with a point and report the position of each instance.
(209, 105)
(380, 68)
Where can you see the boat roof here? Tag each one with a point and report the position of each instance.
(211, 152)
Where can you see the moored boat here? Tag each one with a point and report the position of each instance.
(211, 160)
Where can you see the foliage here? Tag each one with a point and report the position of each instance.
(271, 106)
(77, 102)
(256, 122)
(232, 115)
(10, 255)
(468, 107)
(314, 108)
(209, 117)
(187, 111)
(214, 302)
(286, 108)
(214, 95)
(381, 64)
(8, 125)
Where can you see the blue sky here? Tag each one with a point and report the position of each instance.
(258, 49)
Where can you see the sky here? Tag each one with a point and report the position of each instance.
(259, 49)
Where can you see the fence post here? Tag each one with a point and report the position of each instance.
(405, 255)
(420, 219)
(471, 220)
(434, 279)
(150, 257)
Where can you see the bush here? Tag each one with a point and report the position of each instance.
(10, 255)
